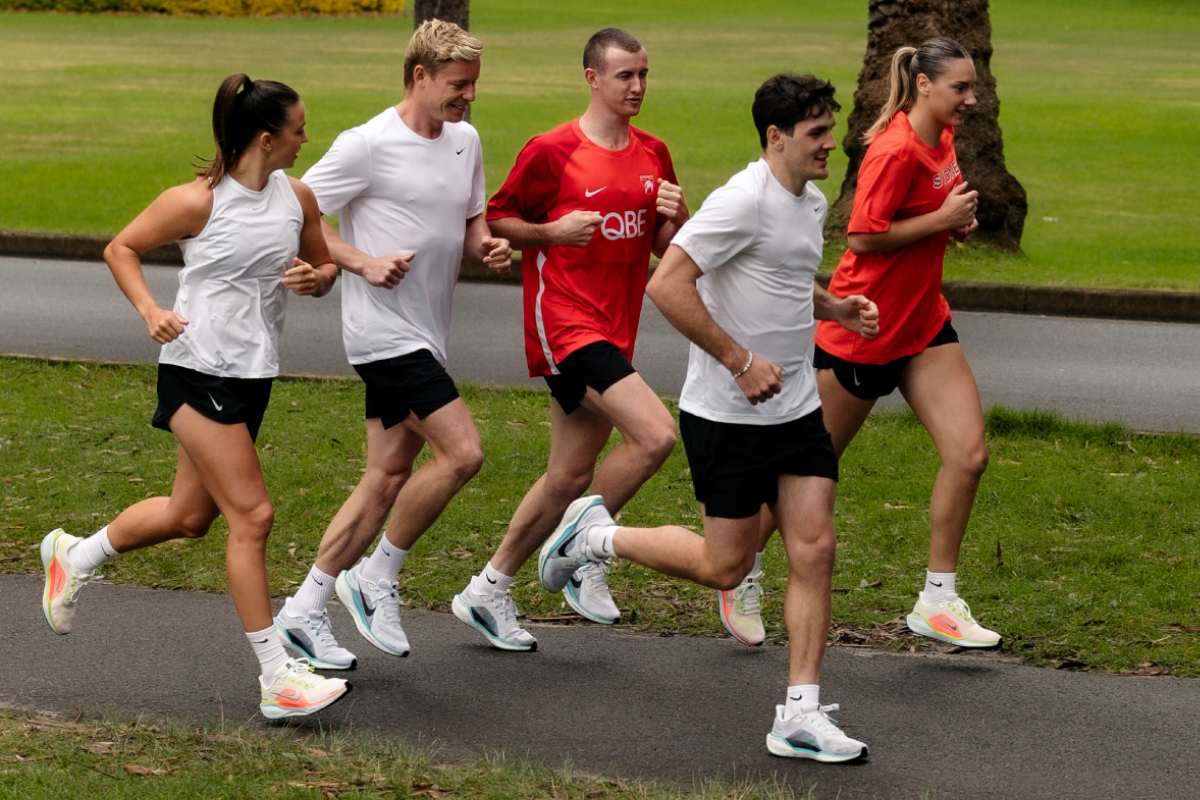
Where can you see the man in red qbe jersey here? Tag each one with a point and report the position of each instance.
(587, 202)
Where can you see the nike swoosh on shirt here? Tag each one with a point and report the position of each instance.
(216, 405)
(459, 152)
(594, 192)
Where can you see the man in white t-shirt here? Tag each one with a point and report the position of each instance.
(408, 190)
(738, 281)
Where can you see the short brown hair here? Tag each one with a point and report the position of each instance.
(593, 51)
(436, 43)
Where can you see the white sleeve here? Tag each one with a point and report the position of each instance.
(477, 203)
(725, 225)
(343, 173)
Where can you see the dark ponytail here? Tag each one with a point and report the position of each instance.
(242, 109)
(929, 59)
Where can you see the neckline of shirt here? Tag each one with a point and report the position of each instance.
(583, 137)
(796, 198)
(415, 135)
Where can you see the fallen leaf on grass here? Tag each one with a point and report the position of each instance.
(102, 748)
(430, 790)
(896, 506)
(866, 584)
(1146, 668)
(1179, 627)
(138, 769)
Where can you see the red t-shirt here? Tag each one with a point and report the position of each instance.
(900, 177)
(578, 295)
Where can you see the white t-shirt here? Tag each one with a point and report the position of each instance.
(231, 288)
(394, 190)
(759, 247)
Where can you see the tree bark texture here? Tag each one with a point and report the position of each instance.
(896, 23)
(456, 11)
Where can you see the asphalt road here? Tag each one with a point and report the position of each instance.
(1142, 374)
(671, 708)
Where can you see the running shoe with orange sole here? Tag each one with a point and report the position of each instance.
(63, 581)
(949, 620)
(297, 691)
(741, 611)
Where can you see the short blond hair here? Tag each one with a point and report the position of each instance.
(436, 43)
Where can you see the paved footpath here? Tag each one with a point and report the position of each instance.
(677, 709)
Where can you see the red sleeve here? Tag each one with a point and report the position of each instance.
(530, 189)
(658, 148)
(884, 180)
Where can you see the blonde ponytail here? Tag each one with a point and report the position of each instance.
(929, 59)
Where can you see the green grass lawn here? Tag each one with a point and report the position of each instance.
(53, 758)
(1098, 108)
(1084, 550)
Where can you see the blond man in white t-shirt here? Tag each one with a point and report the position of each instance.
(738, 281)
(408, 190)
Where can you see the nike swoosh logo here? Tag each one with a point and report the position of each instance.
(594, 192)
(216, 405)
(489, 580)
(797, 697)
(854, 374)
(937, 584)
(459, 152)
(318, 581)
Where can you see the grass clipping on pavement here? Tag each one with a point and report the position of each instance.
(1084, 548)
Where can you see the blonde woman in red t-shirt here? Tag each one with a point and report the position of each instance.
(911, 198)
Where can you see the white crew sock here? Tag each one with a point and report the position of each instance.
(385, 563)
(801, 698)
(756, 570)
(938, 586)
(269, 649)
(490, 581)
(313, 595)
(93, 551)
(600, 540)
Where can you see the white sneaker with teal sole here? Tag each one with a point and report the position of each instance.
(813, 735)
(494, 616)
(375, 608)
(587, 592)
(566, 550)
(310, 636)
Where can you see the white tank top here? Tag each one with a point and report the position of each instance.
(230, 288)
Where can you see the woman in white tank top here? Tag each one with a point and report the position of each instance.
(240, 225)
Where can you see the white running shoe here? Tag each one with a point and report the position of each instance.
(296, 691)
(813, 735)
(950, 620)
(310, 636)
(566, 550)
(587, 592)
(495, 616)
(741, 612)
(63, 581)
(375, 608)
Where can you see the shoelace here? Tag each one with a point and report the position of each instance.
(78, 580)
(825, 723)
(960, 609)
(507, 611)
(387, 600)
(324, 631)
(595, 576)
(748, 596)
(301, 672)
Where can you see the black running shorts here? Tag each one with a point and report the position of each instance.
(414, 383)
(228, 401)
(598, 365)
(736, 468)
(873, 381)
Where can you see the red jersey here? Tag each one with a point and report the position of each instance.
(900, 177)
(578, 295)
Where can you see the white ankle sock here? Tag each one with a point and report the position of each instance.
(313, 595)
(490, 581)
(600, 540)
(756, 570)
(937, 586)
(802, 697)
(93, 551)
(269, 649)
(385, 562)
